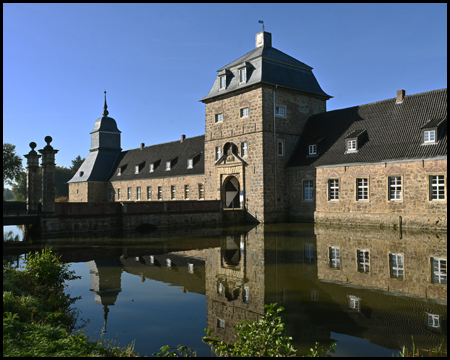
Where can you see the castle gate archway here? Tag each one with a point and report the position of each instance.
(232, 192)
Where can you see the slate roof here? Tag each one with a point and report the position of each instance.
(96, 167)
(393, 131)
(271, 66)
(176, 151)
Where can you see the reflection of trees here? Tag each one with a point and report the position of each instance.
(9, 236)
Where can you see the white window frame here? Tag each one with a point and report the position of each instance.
(429, 136)
(354, 302)
(362, 189)
(333, 189)
(437, 187)
(222, 82)
(168, 165)
(190, 163)
(218, 152)
(129, 193)
(312, 149)
(160, 195)
(118, 194)
(244, 148)
(172, 192)
(244, 112)
(242, 75)
(246, 294)
(434, 320)
(308, 190)
(136, 169)
(220, 323)
(168, 263)
(395, 188)
(218, 118)
(280, 111)
(186, 192)
(138, 193)
(363, 260)
(438, 270)
(201, 191)
(149, 192)
(190, 268)
(119, 171)
(351, 146)
(397, 266)
(152, 167)
(219, 287)
(334, 255)
(280, 148)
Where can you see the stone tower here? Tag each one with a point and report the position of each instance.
(89, 184)
(254, 114)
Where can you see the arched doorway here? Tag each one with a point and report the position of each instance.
(232, 191)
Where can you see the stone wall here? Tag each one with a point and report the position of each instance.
(300, 210)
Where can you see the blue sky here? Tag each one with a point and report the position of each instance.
(156, 61)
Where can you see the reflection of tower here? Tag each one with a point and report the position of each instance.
(105, 283)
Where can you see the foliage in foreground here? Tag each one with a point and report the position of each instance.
(267, 337)
(37, 316)
(440, 351)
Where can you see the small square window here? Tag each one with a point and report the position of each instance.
(280, 148)
(167, 165)
(244, 148)
(190, 163)
(312, 149)
(220, 323)
(351, 145)
(280, 111)
(219, 117)
(152, 167)
(353, 302)
(433, 320)
(244, 112)
(243, 75)
(429, 136)
(223, 82)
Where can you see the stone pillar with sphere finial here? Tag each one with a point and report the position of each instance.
(32, 180)
(48, 177)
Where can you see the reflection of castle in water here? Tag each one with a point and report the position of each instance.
(366, 284)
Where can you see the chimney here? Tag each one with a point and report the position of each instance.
(183, 137)
(142, 145)
(400, 95)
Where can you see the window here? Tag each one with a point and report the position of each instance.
(437, 187)
(152, 259)
(111, 194)
(219, 287)
(362, 189)
(172, 192)
(221, 324)
(223, 82)
(333, 189)
(119, 171)
(308, 190)
(243, 75)
(312, 149)
(280, 148)
(244, 112)
(439, 270)
(190, 268)
(159, 192)
(244, 149)
(149, 192)
(168, 263)
(351, 145)
(363, 261)
(81, 173)
(218, 152)
(429, 136)
(201, 194)
(396, 266)
(219, 117)
(395, 188)
(433, 320)
(118, 194)
(129, 193)
(136, 169)
(152, 167)
(309, 254)
(167, 165)
(245, 294)
(353, 302)
(280, 110)
(186, 192)
(335, 257)
(190, 163)
(138, 193)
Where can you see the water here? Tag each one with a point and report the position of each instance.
(368, 290)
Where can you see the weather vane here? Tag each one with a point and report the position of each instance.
(261, 22)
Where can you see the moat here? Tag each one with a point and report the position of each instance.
(367, 289)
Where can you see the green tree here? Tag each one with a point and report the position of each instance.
(19, 189)
(76, 163)
(7, 194)
(62, 176)
(12, 164)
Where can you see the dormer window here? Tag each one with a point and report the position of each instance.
(119, 171)
(351, 145)
(312, 149)
(168, 165)
(136, 169)
(222, 82)
(243, 75)
(152, 167)
(429, 136)
(81, 173)
(190, 163)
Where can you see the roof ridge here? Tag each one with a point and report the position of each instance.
(167, 142)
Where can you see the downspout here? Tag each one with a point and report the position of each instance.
(276, 150)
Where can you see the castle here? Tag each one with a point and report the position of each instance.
(271, 148)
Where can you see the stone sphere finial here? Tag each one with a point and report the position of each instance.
(33, 145)
(48, 140)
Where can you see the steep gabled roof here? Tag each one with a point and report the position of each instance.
(176, 151)
(393, 131)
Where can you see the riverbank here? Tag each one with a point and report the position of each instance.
(38, 319)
